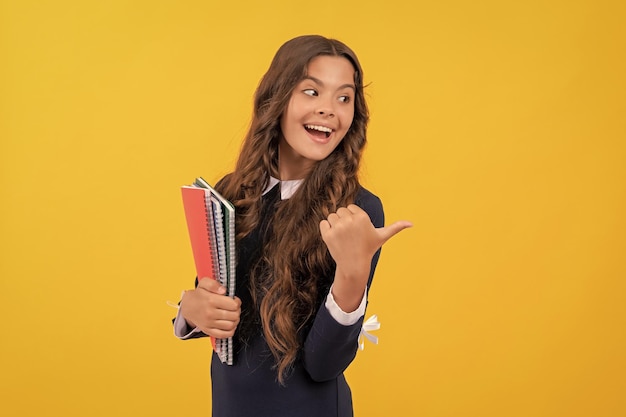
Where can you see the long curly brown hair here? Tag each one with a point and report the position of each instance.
(295, 265)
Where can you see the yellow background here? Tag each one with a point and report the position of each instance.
(497, 127)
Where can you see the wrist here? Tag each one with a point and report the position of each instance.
(349, 287)
(354, 273)
(184, 308)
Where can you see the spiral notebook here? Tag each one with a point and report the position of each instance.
(211, 225)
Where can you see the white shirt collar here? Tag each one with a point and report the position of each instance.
(287, 188)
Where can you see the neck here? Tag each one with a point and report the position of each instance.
(291, 167)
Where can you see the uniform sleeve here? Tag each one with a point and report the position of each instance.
(330, 346)
(183, 331)
(347, 319)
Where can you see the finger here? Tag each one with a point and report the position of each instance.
(226, 316)
(226, 304)
(218, 332)
(220, 328)
(343, 212)
(354, 209)
(358, 214)
(333, 218)
(324, 227)
(386, 233)
(225, 325)
(211, 285)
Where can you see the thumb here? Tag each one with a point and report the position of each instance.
(211, 285)
(386, 233)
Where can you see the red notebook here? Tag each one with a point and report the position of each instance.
(198, 218)
(202, 246)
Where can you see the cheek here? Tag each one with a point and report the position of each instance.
(348, 119)
(285, 119)
(290, 114)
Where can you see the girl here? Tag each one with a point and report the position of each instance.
(308, 240)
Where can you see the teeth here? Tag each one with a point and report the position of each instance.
(320, 128)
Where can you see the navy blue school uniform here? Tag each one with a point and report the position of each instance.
(316, 385)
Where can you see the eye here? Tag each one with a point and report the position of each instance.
(344, 99)
(310, 92)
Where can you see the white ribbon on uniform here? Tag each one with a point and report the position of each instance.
(175, 305)
(370, 324)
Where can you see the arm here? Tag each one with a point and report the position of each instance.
(331, 346)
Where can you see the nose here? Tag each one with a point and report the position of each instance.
(325, 108)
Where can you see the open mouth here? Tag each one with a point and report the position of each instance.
(321, 132)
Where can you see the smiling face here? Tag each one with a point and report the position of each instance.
(318, 116)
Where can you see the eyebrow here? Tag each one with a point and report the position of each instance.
(320, 82)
